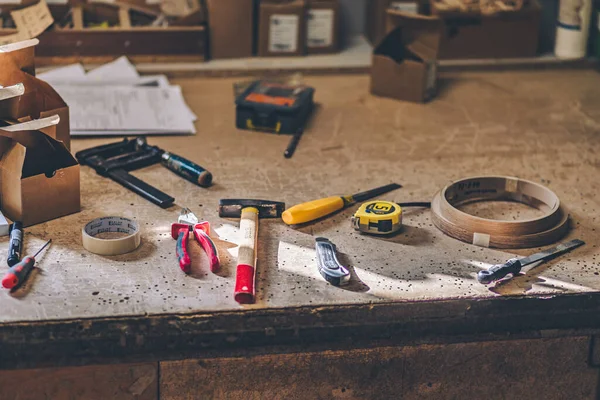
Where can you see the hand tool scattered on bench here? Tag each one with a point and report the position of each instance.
(114, 160)
(497, 272)
(312, 210)
(380, 217)
(15, 247)
(180, 231)
(327, 263)
(291, 149)
(249, 211)
(17, 274)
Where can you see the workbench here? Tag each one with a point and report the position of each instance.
(414, 322)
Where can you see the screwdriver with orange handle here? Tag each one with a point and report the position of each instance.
(312, 210)
(17, 274)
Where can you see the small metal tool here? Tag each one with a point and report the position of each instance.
(17, 274)
(328, 264)
(513, 266)
(180, 231)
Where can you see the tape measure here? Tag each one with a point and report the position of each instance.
(378, 217)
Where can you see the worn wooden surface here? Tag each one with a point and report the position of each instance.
(98, 382)
(551, 369)
(535, 369)
(542, 126)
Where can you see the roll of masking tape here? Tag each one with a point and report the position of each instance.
(115, 246)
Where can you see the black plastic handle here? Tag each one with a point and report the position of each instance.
(497, 272)
(15, 247)
(142, 188)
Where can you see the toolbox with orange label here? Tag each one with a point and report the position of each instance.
(274, 107)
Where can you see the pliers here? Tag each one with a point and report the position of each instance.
(180, 231)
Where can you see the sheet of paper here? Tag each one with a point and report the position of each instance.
(114, 99)
(32, 21)
(125, 110)
(75, 74)
(120, 68)
(70, 73)
(177, 8)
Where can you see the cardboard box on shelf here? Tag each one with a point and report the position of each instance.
(282, 28)
(375, 15)
(322, 26)
(404, 62)
(39, 178)
(230, 28)
(38, 100)
(505, 35)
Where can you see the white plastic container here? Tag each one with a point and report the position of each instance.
(573, 28)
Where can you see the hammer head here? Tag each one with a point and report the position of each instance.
(232, 208)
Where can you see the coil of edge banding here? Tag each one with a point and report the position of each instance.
(495, 233)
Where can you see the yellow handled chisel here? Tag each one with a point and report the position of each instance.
(312, 210)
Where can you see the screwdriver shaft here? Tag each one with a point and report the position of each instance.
(43, 247)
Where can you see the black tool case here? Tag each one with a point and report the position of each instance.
(274, 107)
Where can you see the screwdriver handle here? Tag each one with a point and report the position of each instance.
(497, 272)
(181, 233)
(306, 212)
(187, 169)
(15, 247)
(17, 274)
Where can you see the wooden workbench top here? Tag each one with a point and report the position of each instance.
(541, 126)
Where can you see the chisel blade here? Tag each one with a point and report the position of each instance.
(369, 194)
(551, 253)
(513, 266)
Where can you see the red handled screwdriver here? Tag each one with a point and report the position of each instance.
(17, 274)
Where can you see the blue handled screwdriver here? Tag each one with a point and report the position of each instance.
(17, 274)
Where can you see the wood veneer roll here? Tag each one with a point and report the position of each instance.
(535, 232)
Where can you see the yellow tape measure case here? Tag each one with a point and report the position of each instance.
(378, 217)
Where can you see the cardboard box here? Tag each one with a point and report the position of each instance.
(322, 26)
(375, 15)
(282, 28)
(23, 54)
(39, 178)
(230, 28)
(39, 99)
(404, 62)
(505, 35)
